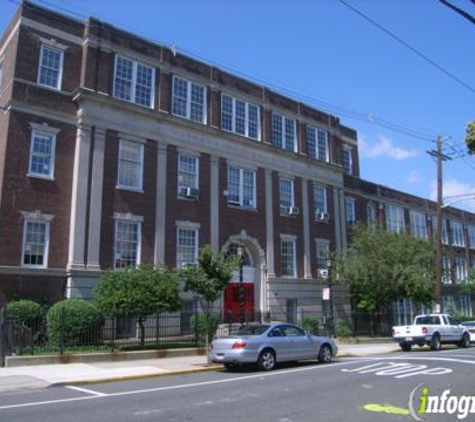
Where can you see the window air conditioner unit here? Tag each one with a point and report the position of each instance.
(192, 193)
(293, 211)
(322, 216)
(322, 273)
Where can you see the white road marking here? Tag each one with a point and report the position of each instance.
(175, 387)
(86, 390)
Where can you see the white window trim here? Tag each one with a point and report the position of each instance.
(197, 175)
(414, 217)
(460, 225)
(187, 225)
(142, 165)
(319, 243)
(135, 64)
(246, 119)
(350, 150)
(188, 99)
(60, 50)
(327, 143)
(293, 239)
(36, 217)
(44, 130)
(241, 189)
(368, 219)
(284, 117)
(350, 200)
(325, 197)
(387, 209)
(128, 218)
(471, 236)
(292, 192)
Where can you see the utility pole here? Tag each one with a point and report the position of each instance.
(439, 156)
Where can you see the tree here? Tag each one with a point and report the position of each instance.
(468, 287)
(470, 137)
(208, 279)
(381, 267)
(138, 293)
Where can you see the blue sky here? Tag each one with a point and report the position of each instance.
(322, 50)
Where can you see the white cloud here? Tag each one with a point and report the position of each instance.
(453, 190)
(385, 147)
(414, 176)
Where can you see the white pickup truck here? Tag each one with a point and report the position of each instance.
(432, 330)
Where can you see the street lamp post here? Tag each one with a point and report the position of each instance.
(330, 300)
(241, 285)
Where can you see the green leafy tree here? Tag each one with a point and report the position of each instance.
(208, 279)
(468, 287)
(470, 137)
(138, 293)
(381, 267)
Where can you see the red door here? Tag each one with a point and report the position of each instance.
(231, 301)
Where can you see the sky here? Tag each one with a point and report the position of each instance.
(325, 54)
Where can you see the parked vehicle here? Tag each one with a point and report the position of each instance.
(471, 329)
(432, 330)
(267, 344)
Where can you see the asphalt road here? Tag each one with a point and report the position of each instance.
(347, 390)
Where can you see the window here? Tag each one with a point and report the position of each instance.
(240, 117)
(403, 312)
(284, 132)
(371, 215)
(187, 246)
(395, 219)
(189, 100)
(288, 257)
(465, 305)
(347, 160)
(446, 270)
(134, 82)
(323, 253)
(42, 153)
(317, 143)
(418, 225)
(35, 243)
(460, 269)
(286, 194)
(471, 237)
(350, 211)
(241, 187)
(445, 237)
(127, 243)
(130, 165)
(320, 199)
(188, 173)
(457, 234)
(448, 304)
(51, 67)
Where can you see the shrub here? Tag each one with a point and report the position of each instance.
(343, 329)
(199, 325)
(310, 324)
(80, 322)
(24, 312)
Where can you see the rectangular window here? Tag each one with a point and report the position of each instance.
(471, 237)
(350, 211)
(188, 173)
(448, 304)
(241, 187)
(134, 82)
(240, 117)
(51, 67)
(317, 143)
(371, 215)
(460, 270)
(42, 153)
(395, 222)
(465, 305)
(446, 270)
(127, 243)
(323, 253)
(347, 160)
(457, 234)
(320, 199)
(288, 257)
(418, 225)
(130, 165)
(35, 243)
(187, 247)
(445, 237)
(284, 132)
(189, 100)
(286, 194)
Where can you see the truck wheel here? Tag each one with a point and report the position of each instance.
(406, 347)
(465, 342)
(435, 342)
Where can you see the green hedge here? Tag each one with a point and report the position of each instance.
(79, 321)
(309, 324)
(24, 312)
(200, 325)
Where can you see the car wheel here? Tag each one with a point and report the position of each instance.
(325, 355)
(435, 342)
(465, 342)
(266, 360)
(406, 347)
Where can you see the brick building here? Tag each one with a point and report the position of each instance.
(116, 151)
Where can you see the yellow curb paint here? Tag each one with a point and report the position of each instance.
(386, 408)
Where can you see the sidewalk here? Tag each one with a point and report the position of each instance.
(41, 376)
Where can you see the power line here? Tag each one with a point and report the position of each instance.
(410, 47)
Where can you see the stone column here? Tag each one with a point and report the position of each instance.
(337, 219)
(307, 261)
(214, 205)
(161, 204)
(269, 226)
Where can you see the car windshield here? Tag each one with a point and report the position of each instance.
(252, 330)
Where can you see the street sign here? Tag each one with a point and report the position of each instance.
(326, 293)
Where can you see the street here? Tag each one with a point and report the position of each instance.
(350, 389)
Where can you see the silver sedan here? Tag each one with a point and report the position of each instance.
(471, 328)
(267, 344)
